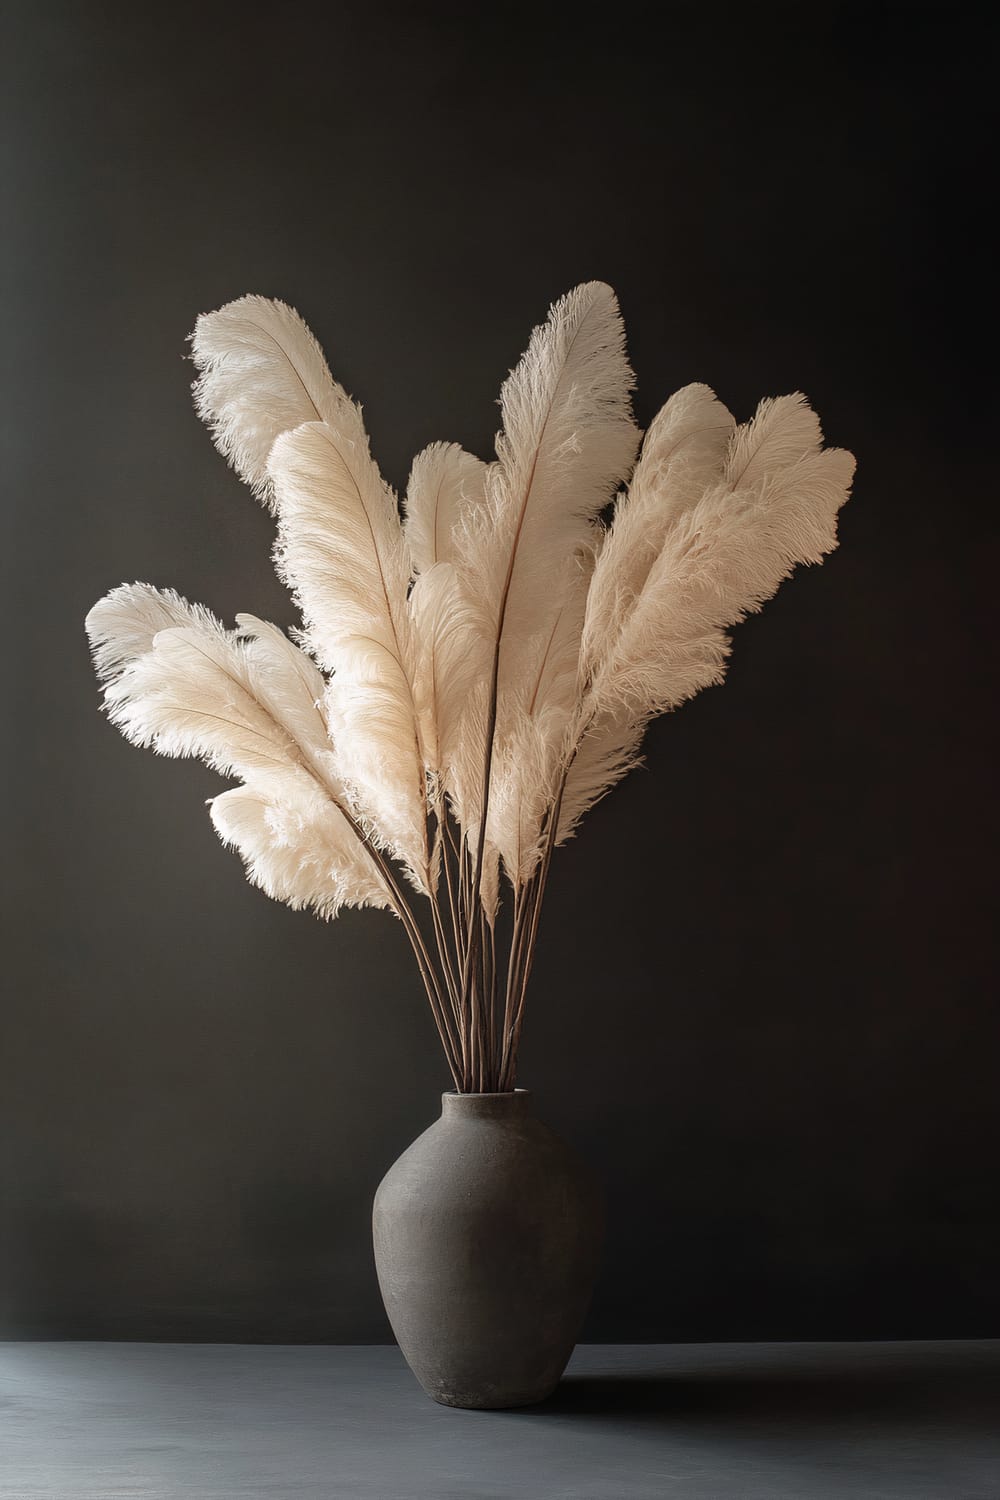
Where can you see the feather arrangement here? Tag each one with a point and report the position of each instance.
(476, 671)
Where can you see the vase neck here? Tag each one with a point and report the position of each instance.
(513, 1105)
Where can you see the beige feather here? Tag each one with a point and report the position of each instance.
(290, 684)
(568, 439)
(451, 653)
(261, 373)
(783, 430)
(246, 705)
(723, 558)
(445, 484)
(298, 849)
(683, 453)
(605, 752)
(341, 550)
(122, 625)
(539, 709)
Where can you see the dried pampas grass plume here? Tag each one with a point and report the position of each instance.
(473, 674)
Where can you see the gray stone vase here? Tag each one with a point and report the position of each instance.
(487, 1236)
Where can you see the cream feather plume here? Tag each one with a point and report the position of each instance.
(568, 439)
(297, 849)
(733, 520)
(775, 507)
(605, 752)
(445, 485)
(448, 637)
(261, 373)
(123, 624)
(179, 682)
(342, 552)
(289, 683)
(683, 451)
(535, 719)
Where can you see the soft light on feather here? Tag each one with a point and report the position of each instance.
(261, 373)
(341, 550)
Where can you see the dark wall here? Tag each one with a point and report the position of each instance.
(762, 999)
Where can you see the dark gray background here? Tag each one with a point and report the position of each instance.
(762, 1000)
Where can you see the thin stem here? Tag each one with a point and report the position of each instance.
(525, 963)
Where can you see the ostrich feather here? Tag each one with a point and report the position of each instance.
(783, 430)
(606, 751)
(722, 559)
(288, 682)
(568, 439)
(122, 625)
(341, 550)
(540, 706)
(247, 705)
(298, 849)
(261, 373)
(683, 451)
(192, 694)
(450, 653)
(445, 482)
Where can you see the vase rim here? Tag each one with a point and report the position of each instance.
(485, 1094)
(501, 1105)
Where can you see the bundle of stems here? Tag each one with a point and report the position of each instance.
(472, 675)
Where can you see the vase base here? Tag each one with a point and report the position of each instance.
(470, 1401)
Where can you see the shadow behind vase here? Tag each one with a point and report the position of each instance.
(487, 1235)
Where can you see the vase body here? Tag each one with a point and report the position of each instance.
(487, 1235)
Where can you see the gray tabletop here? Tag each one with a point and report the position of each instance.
(310, 1422)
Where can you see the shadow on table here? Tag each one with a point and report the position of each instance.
(950, 1398)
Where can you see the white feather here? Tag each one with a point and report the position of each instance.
(537, 714)
(298, 848)
(568, 439)
(261, 373)
(288, 682)
(721, 560)
(247, 705)
(782, 430)
(341, 550)
(450, 655)
(683, 452)
(122, 625)
(445, 484)
(607, 751)
(192, 695)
